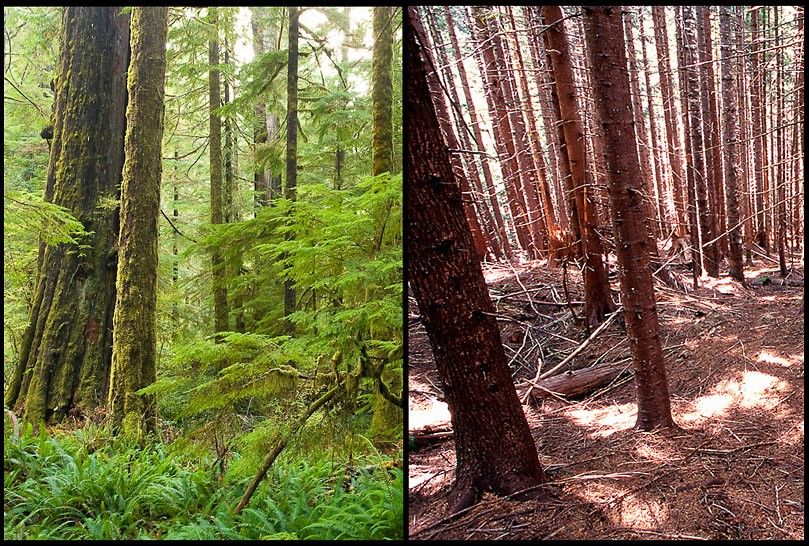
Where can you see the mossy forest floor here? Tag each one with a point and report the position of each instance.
(80, 484)
(734, 360)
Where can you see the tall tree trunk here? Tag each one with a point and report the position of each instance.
(730, 137)
(290, 192)
(493, 93)
(640, 125)
(713, 167)
(266, 184)
(798, 170)
(134, 336)
(493, 444)
(67, 349)
(690, 151)
(445, 122)
(720, 226)
(561, 169)
(532, 135)
(472, 191)
(780, 139)
(387, 417)
(672, 126)
(661, 188)
(220, 293)
(382, 90)
(696, 128)
(490, 190)
(757, 130)
(747, 210)
(597, 300)
(605, 39)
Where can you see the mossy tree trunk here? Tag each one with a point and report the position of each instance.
(67, 349)
(290, 192)
(134, 341)
(387, 418)
(220, 293)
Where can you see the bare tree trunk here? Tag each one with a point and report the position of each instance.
(757, 130)
(502, 130)
(473, 191)
(487, 173)
(731, 138)
(678, 172)
(661, 189)
(598, 302)
(291, 190)
(493, 444)
(604, 35)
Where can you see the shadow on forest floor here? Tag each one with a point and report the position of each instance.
(735, 371)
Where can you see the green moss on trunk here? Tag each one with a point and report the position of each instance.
(65, 359)
(134, 325)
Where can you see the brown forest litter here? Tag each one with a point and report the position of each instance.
(735, 370)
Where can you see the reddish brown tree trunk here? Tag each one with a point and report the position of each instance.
(661, 190)
(678, 174)
(598, 302)
(501, 129)
(746, 141)
(605, 39)
(472, 192)
(757, 130)
(478, 138)
(730, 137)
(708, 214)
(493, 444)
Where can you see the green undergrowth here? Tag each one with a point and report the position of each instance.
(85, 485)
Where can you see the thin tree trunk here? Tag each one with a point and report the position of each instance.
(757, 130)
(598, 302)
(134, 338)
(473, 201)
(478, 137)
(493, 444)
(220, 294)
(502, 131)
(661, 189)
(730, 137)
(290, 192)
(747, 209)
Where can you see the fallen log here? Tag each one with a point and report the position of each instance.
(573, 383)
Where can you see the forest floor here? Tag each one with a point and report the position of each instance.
(734, 359)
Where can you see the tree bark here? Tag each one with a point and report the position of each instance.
(290, 192)
(134, 338)
(66, 353)
(713, 167)
(605, 39)
(220, 293)
(382, 90)
(490, 190)
(678, 174)
(481, 221)
(494, 448)
(597, 301)
(758, 130)
(732, 170)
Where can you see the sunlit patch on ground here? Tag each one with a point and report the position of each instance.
(436, 414)
(640, 512)
(603, 422)
(755, 390)
(723, 285)
(769, 358)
